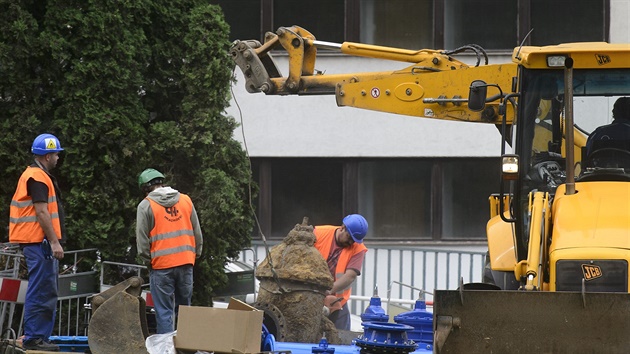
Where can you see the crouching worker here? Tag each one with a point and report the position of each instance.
(343, 249)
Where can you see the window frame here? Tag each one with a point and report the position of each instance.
(263, 174)
(352, 25)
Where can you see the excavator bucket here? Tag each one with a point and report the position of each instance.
(119, 323)
(486, 321)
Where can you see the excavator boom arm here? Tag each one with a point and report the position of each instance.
(435, 86)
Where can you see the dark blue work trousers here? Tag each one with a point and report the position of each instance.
(40, 305)
(170, 288)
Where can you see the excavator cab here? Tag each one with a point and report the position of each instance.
(567, 243)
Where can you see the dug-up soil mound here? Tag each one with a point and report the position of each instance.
(293, 278)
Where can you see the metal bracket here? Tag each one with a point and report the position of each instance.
(583, 293)
(444, 327)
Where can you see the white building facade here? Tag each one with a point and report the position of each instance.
(420, 183)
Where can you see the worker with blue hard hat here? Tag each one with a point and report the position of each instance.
(36, 223)
(343, 249)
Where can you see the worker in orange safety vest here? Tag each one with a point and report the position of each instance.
(36, 223)
(343, 249)
(169, 239)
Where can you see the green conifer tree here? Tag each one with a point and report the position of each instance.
(126, 86)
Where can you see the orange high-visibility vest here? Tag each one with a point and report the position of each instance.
(172, 238)
(325, 237)
(23, 224)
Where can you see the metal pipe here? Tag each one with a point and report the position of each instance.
(568, 126)
(444, 100)
(327, 45)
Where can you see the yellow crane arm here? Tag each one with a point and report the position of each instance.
(434, 86)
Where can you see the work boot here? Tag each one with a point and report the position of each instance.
(40, 344)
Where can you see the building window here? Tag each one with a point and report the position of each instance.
(488, 23)
(395, 197)
(323, 18)
(304, 187)
(402, 199)
(420, 24)
(397, 23)
(564, 21)
(244, 18)
(251, 19)
(466, 185)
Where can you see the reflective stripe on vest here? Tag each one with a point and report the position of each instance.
(172, 238)
(23, 224)
(325, 237)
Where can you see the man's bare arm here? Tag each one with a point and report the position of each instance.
(344, 282)
(45, 221)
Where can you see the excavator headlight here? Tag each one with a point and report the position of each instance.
(509, 166)
(556, 61)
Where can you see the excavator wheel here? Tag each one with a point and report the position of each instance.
(273, 320)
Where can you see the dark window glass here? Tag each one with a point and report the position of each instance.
(244, 18)
(488, 23)
(325, 19)
(563, 21)
(397, 23)
(395, 198)
(466, 186)
(305, 187)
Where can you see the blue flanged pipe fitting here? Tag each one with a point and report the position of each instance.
(380, 337)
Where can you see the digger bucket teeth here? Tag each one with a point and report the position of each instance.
(118, 323)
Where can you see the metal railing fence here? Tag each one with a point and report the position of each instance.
(398, 271)
(75, 288)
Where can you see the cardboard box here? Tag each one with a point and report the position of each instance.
(236, 329)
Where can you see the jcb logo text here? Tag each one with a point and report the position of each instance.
(591, 271)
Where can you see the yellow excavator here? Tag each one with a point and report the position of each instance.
(559, 227)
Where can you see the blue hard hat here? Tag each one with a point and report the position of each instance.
(357, 227)
(45, 144)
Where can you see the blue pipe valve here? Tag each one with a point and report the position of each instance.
(323, 347)
(421, 320)
(375, 312)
